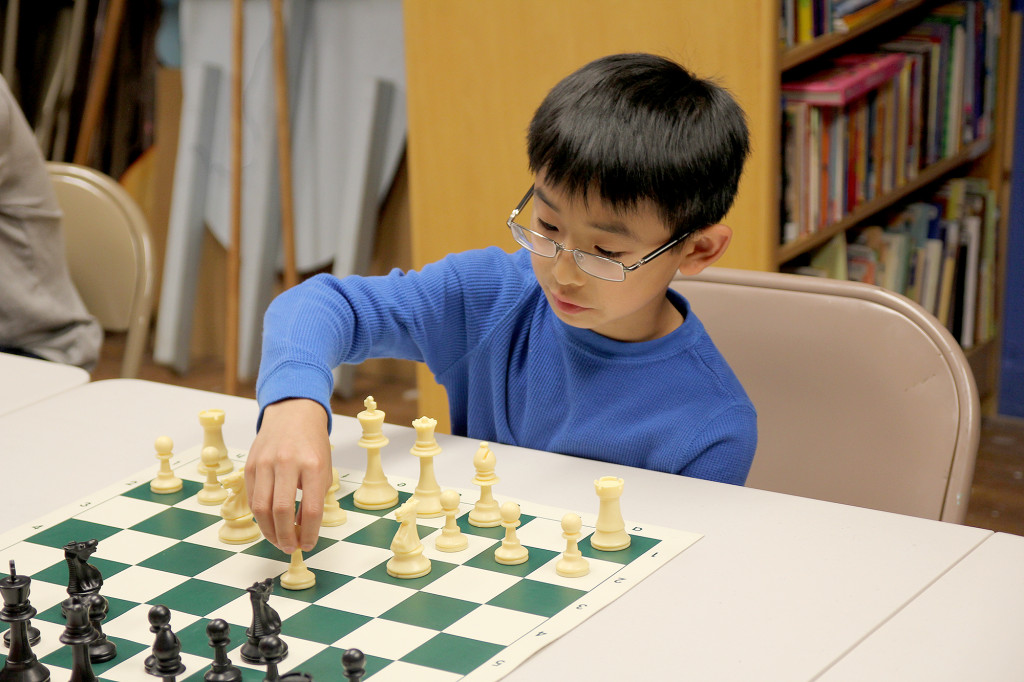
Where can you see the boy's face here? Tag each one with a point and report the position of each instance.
(635, 309)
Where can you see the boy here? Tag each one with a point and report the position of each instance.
(574, 344)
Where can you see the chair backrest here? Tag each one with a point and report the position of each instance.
(863, 398)
(109, 254)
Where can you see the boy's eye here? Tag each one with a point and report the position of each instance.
(547, 227)
(614, 255)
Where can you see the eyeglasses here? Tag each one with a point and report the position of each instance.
(590, 263)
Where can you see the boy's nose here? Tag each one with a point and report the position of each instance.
(565, 269)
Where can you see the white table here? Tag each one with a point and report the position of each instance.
(24, 381)
(779, 587)
(968, 625)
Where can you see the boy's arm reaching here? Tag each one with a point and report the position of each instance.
(325, 321)
(291, 451)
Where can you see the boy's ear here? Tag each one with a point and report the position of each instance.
(704, 248)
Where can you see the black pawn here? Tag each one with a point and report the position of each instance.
(78, 633)
(101, 649)
(221, 670)
(166, 646)
(157, 620)
(353, 661)
(272, 650)
(21, 664)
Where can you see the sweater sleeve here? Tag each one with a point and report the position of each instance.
(727, 444)
(434, 315)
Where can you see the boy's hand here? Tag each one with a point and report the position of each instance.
(291, 451)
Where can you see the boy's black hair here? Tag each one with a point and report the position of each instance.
(639, 126)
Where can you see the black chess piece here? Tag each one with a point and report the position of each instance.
(151, 660)
(101, 649)
(166, 646)
(78, 633)
(272, 649)
(33, 632)
(265, 621)
(83, 577)
(221, 670)
(354, 662)
(21, 664)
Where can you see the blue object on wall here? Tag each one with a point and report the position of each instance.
(1011, 377)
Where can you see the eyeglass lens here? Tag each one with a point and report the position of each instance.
(591, 264)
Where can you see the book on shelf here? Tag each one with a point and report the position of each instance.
(844, 80)
(831, 258)
(916, 79)
(868, 123)
(964, 318)
(950, 256)
(984, 198)
(849, 14)
(938, 252)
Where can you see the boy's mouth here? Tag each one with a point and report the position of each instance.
(565, 306)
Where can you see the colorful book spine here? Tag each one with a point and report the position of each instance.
(850, 77)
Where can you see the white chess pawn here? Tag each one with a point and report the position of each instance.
(485, 513)
(212, 422)
(572, 564)
(451, 538)
(298, 576)
(611, 532)
(408, 561)
(165, 481)
(511, 551)
(334, 515)
(239, 527)
(427, 493)
(375, 492)
(213, 492)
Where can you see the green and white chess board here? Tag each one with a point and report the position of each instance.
(470, 618)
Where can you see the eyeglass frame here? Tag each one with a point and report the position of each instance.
(513, 226)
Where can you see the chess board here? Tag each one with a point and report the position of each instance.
(470, 618)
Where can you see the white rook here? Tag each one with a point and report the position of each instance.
(611, 532)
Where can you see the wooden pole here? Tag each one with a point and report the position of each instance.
(235, 242)
(284, 146)
(99, 81)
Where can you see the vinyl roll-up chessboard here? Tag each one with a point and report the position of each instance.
(469, 618)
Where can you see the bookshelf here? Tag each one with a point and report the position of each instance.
(476, 71)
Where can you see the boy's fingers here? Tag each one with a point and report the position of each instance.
(312, 510)
(261, 491)
(311, 518)
(283, 513)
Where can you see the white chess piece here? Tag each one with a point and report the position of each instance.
(451, 538)
(485, 513)
(298, 576)
(239, 527)
(408, 561)
(375, 491)
(165, 481)
(334, 515)
(511, 551)
(611, 532)
(572, 564)
(427, 493)
(212, 422)
(213, 492)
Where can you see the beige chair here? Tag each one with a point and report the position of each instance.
(863, 398)
(109, 254)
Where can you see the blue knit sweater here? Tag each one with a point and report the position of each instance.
(514, 372)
